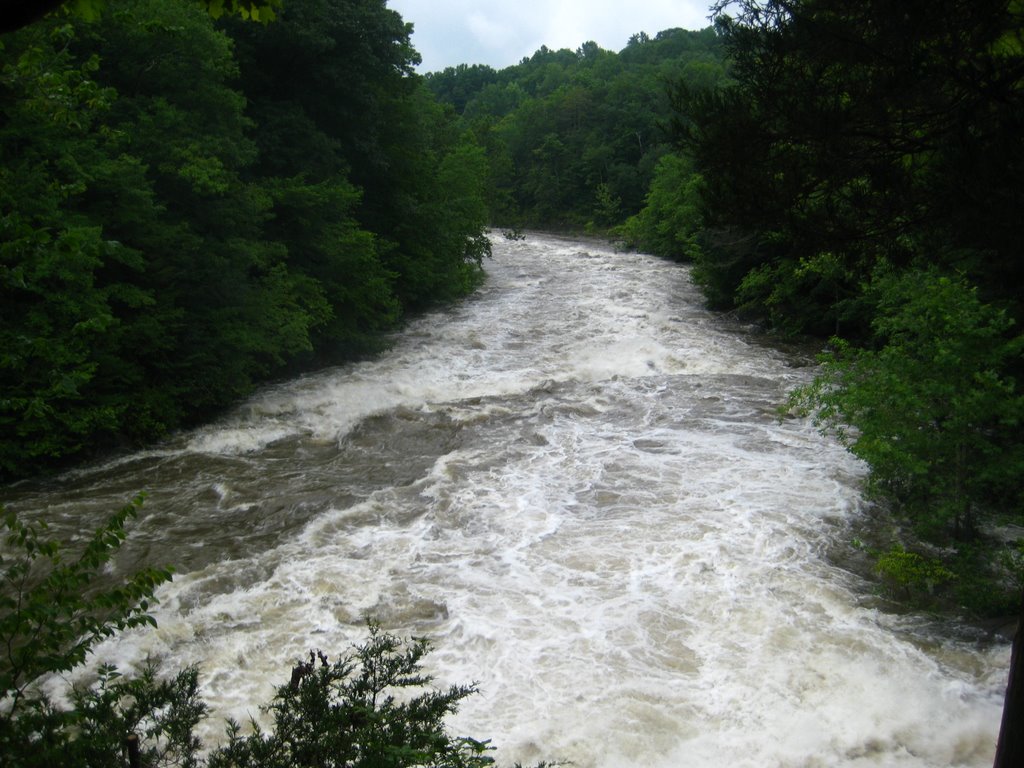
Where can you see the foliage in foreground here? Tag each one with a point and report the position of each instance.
(372, 707)
(934, 412)
(47, 623)
(932, 408)
(347, 713)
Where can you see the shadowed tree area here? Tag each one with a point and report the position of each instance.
(180, 222)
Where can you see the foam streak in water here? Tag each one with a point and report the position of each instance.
(575, 484)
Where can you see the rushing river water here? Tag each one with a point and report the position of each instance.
(574, 483)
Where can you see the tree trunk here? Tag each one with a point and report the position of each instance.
(1010, 749)
(134, 757)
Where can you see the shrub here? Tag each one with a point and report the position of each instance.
(361, 711)
(911, 576)
(353, 713)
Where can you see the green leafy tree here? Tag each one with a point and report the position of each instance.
(668, 224)
(364, 125)
(56, 604)
(18, 13)
(123, 716)
(864, 132)
(457, 85)
(911, 576)
(47, 623)
(574, 131)
(431, 230)
(357, 712)
(57, 308)
(607, 207)
(340, 260)
(180, 222)
(138, 288)
(227, 308)
(934, 409)
(460, 206)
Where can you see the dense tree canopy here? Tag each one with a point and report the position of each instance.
(179, 221)
(574, 137)
(858, 133)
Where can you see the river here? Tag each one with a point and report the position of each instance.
(575, 484)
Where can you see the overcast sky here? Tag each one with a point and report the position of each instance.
(501, 32)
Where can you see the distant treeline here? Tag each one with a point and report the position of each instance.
(575, 138)
(188, 207)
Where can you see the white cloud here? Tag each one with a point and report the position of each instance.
(486, 31)
(501, 32)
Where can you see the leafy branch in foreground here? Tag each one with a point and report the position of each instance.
(352, 712)
(55, 606)
(372, 708)
(53, 609)
(933, 408)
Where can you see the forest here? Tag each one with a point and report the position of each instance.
(575, 139)
(179, 222)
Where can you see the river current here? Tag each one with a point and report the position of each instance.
(575, 484)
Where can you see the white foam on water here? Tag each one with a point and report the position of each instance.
(614, 319)
(617, 540)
